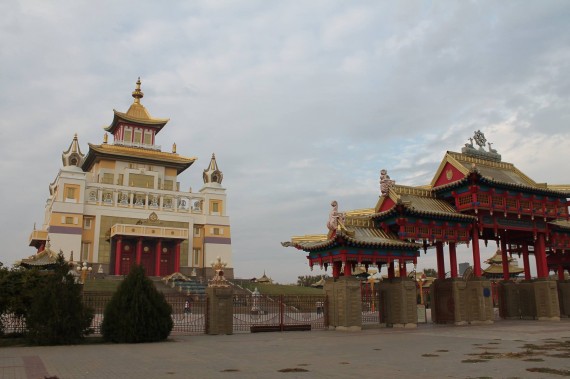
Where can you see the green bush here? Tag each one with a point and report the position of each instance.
(137, 312)
(57, 315)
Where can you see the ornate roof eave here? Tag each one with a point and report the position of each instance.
(561, 224)
(157, 123)
(409, 210)
(134, 154)
(342, 237)
(538, 190)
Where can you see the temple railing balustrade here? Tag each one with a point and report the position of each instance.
(143, 198)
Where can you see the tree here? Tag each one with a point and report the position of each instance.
(430, 272)
(307, 280)
(137, 312)
(57, 314)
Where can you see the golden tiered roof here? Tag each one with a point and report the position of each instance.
(136, 114)
(136, 154)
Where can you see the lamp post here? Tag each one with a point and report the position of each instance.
(83, 269)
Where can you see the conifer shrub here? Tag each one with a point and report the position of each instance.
(57, 315)
(137, 312)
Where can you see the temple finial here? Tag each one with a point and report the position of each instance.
(137, 93)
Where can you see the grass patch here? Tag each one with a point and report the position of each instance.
(430, 355)
(442, 351)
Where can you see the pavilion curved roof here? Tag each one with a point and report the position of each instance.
(366, 237)
(421, 202)
(494, 173)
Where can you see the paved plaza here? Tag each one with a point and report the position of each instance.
(506, 349)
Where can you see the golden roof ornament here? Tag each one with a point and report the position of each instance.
(174, 148)
(213, 174)
(480, 152)
(218, 280)
(137, 93)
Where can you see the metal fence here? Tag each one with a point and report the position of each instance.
(257, 313)
(12, 324)
(188, 311)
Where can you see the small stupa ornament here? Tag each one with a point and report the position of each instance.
(385, 182)
(218, 280)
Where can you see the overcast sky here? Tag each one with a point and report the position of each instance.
(303, 102)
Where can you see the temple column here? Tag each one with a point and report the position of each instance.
(505, 259)
(403, 270)
(453, 259)
(476, 252)
(347, 269)
(177, 256)
(391, 269)
(139, 250)
(118, 248)
(560, 272)
(540, 255)
(158, 251)
(440, 260)
(526, 262)
(336, 269)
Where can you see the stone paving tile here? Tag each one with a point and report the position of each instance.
(430, 351)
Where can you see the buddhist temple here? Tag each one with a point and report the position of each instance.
(121, 203)
(473, 196)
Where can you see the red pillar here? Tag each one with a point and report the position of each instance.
(453, 259)
(347, 269)
(526, 262)
(560, 272)
(158, 251)
(403, 270)
(391, 270)
(540, 255)
(42, 247)
(118, 248)
(177, 256)
(139, 250)
(440, 260)
(505, 259)
(476, 252)
(336, 269)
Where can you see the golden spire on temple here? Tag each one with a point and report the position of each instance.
(137, 93)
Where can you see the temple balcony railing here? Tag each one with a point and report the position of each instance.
(137, 144)
(142, 198)
(512, 205)
(148, 231)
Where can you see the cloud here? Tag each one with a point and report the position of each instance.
(302, 103)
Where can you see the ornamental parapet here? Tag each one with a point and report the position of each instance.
(148, 231)
(141, 198)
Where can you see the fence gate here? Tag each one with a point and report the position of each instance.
(262, 313)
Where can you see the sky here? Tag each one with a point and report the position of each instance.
(303, 102)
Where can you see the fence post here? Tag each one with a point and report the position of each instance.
(220, 310)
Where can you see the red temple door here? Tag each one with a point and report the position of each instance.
(126, 261)
(147, 262)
